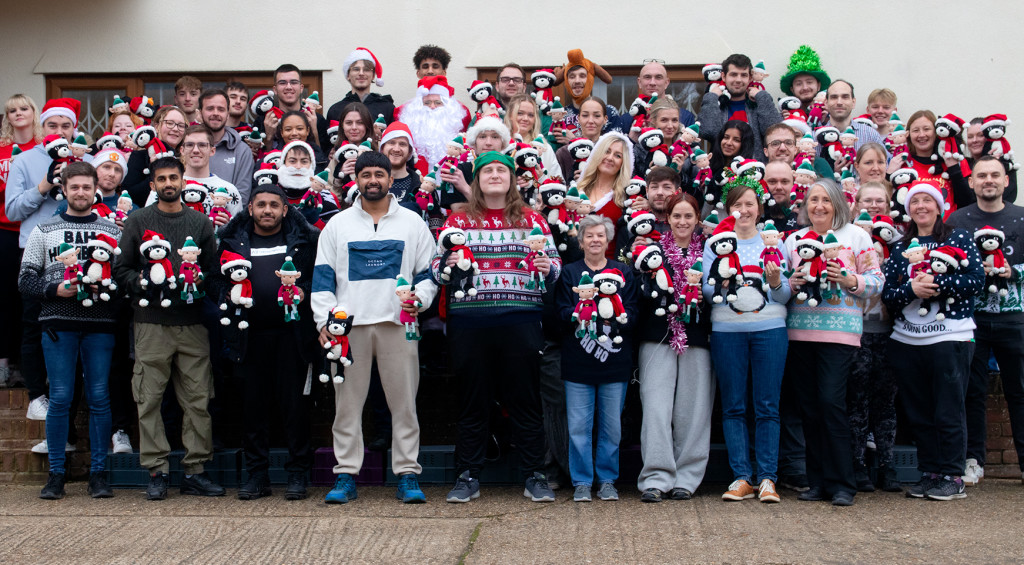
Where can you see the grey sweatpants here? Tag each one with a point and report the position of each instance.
(678, 394)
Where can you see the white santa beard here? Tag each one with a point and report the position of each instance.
(294, 177)
(432, 128)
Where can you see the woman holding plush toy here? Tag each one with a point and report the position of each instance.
(169, 123)
(748, 335)
(523, 119)
(497, 322)
(931, 347)
(824, 337)
(948, 175)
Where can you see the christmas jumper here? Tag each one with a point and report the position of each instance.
(22, 201)
(962, 285)
(5, 169)
(757, 310)
(843, 321)
(955, 190)
(41, 273)
(502, 298)
(1010, 221)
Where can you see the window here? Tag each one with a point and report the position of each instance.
(686, 85)
(96, 92)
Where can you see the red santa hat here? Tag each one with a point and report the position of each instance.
(638, 216)
(434, 85)
(106, 242)
(229, 259)
(928, 188)
(546, 73)
(954, 122)
(394, 131)
(610, 274)
(364, 54)
(67, 107)
(742, 166)
(725, 229)
(812, 239)
(552, 182)
(991, 120)
(989, 231)
(258, 99)
(649, 132)
(951, 255)
(882, 221)
(865, 120)
(53, 140)
(153, 239)
(478, 85)
(333, 127)
(643, 252)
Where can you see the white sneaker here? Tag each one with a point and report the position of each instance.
(122, 443)
(43, 448)
(973, 473)
(37, 408)
(869, 442)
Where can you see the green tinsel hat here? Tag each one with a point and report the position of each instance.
(804, 61)
(743, 180)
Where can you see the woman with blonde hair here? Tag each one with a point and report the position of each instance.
(523, 119)
(604, 176)
(170, 124)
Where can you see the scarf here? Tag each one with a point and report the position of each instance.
(680, 264)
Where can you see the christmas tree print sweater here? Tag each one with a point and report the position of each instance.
(502, 297)
(962, 285)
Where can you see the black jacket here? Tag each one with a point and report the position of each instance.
(376, 103)
(301, 239)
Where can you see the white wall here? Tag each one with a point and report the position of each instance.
(925, 51)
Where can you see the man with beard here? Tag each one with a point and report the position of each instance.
(171, 344)
(375, 244)
(434, 117)
(295, 176)
(70, 326)
(737, 101)
(230, 158)
(999, 319)
(778, 175)
(662, 183)
(272, 354)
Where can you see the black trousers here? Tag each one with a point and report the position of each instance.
(274, 376)
(820, 372)
(10, 266)
(502, 362)
(1006, 341)
(932, 386)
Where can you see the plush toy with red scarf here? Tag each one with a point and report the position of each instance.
(452, 241)
(194, 195)
(609, 305)
(883, 233)
(543, 80)
(726, 266)
(99, 256)
(947, 146)
(990, 243)
(157, 277)
(811, 267)
(943, 261)
(652, 140)
(656, 282)
(143, 107)
(639, 109)
(239, 297)
(59, 150)
(993, 128)
(337, 351)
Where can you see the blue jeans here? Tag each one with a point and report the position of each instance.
(580, 403)
(61, 357)
(763, 356)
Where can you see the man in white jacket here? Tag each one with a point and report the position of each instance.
(360, 255)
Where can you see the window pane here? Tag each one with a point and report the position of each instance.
(162, 93)
(93, 121)
(623, 90)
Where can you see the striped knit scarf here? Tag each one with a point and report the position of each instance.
(680, 263)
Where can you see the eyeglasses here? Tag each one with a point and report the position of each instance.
(289, 82)
(190, 145)
(174, 125)
(660, 61)
(513, 80)
(787, 142)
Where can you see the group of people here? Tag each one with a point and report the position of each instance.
(742, 252)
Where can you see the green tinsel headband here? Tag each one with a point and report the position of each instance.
(747, 181)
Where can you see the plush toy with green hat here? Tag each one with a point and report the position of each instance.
(864, 221)
(558, 115)
(118, 105)
(313, 102)
(803, 178)
(380, 124)
(804, 61)
(704, 177)
(314, 195)
(585, 312)
(710, 222)
(68, 255)
(831, 256)
(219, 199)
(189, 273)
(757, 76)
(689, 295)
(688, 142)
(289, 295)
(125, 205)
(771, 253)
(536, 240)
(848, 182)
(80, 146)
(572, 215)
(406, 295)
(804, 150)
(425, 197)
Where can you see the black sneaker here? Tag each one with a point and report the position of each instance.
(812, 494)
(297, 482)
(796, 483)
(946, 488)
(651, 495)
(98, 487)
(919, 489)
(54, 489)
(201, 485)
(888, 480)
(157, 489)
(842, 498)
(864, 483)
(679, 493)
(257, 486)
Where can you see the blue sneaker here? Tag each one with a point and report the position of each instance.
(409, 490)
(344, 490)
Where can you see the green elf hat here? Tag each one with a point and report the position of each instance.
(324, 177)
(380, 121)
(914, 245)
(66, 249)
(288, 268)
(807, 137)
(256, 135)
(573, 194)
(698, 152)
(848, 132)
(895, 119)
(15, 151)
(557, 104)
(586, 283)
(583, 195)
(807, 168)
(694, 127)
(864, 219)
(535, 233)
(80, 141)
(459, 141)
(847, 175)
(769, 227)
(221, 191)
(712, 219)
(899, 127)
(402, 284)
(366, 145)
(491, 157)
(190, 244)
(760, 66)
(432, 176)
(315, 98)
(804, 62)
(831, 241)
(698, 266)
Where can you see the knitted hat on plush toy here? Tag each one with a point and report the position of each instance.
(288, 268)
(535, 234)
(586, 283)
(66, 250)
(725, 229)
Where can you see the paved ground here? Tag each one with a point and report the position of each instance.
(503, 527)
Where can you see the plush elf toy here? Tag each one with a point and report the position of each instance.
(690, 293)
(289, 295)
(771, 253)
(406, 295)
(220, 199)
(585, 312)
(189, 274)
(831, 256)
(68, 255)
(536, 241)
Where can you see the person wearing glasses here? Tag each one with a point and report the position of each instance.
(196, 150)
(362, 70)
(170, 124)
(288, 97)
(511, 81)
(653, 79)
(780, 145)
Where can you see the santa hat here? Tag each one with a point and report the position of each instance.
(578, 142)
(66, 250)
(259, 98)
(104, 241)
(812, 239)
(926, 187)
(610, 274)
(229, 259)
(107, 137)
(67, 107)
(742, 166)
(111, 156)
(333, 127)
(288, 268)
(478, 85)
(991, 120)
(190, 245)
(273, 157)
(547, 73)
(649, 132)
(554, 182)
(952, 121)
(865, 120)
(798, 120)
(586, 283)
(448, 231)
(725, 229)
(752, 271)
(645, 251)
(394, 131)
(638, 216)
(153, 239)
(364, 54)
(831, 241)
(952, 255)
(53, 140)
(196, 184)
(711, 67)
(825, 129)
(864, 219)
(434, 85)
(848, 132)
(769, 227)
(297, 143)
(638, 180)
(989, 231)
(882, 221)
(400, 283)
(488, 123)
(534, 234)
